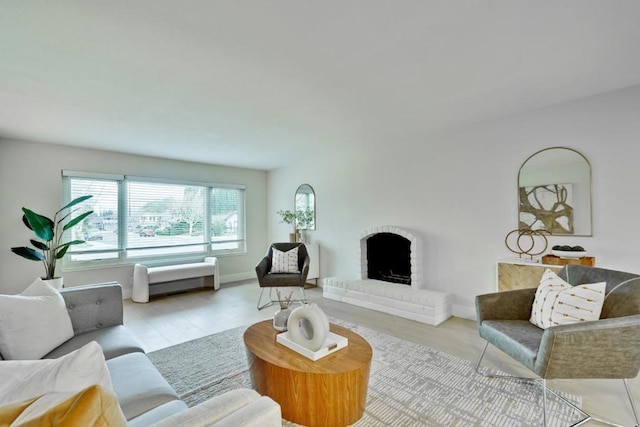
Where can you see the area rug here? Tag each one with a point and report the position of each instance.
(409, 384)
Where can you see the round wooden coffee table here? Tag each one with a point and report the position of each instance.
(329, 392)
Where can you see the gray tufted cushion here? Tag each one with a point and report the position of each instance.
(95, 306)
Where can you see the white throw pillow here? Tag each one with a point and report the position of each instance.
(33, 323)
(75, 371)
(285, 262)
(558, 303)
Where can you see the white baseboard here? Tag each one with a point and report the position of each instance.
(465, 311)
(237, 277)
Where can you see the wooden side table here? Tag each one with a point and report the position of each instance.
(330, 392)
(589, 261)
(520, 275)
(515, 274)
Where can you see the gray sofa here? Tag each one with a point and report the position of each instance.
(144, 396)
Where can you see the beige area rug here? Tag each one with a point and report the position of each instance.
(409, 384)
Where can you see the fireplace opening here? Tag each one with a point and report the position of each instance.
(389, 258)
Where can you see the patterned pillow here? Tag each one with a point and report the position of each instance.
(285, 262)
(558, 303)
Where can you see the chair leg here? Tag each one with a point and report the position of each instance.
(304, 296)
(484, 350)
(544, 401)
(271, 301)
(632, 401)
(268, 303)
(543, 383)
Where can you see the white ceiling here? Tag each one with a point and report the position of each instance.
(258, 83)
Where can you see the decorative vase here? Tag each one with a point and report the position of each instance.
(308, 326)
(56, 282)
(280, 319)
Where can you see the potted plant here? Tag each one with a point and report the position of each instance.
(49, 249)
(289, 217)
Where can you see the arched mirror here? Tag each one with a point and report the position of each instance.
(554, 192)
(305, 207)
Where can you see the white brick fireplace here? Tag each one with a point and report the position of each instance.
(405, 297)
(415, 252)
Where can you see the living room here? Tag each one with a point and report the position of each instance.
(388, 152)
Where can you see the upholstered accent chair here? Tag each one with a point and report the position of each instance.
(604, 348)
(270, 280)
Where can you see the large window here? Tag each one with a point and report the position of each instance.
(141, 219)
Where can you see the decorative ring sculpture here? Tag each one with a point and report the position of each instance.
(527, 236)
(308, 326)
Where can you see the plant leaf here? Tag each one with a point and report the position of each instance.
(62, 249)
(76, 220)
(39, 245)
(28, 253)
(74, 202)
(62, 252)
(41, 225)
(26, 222)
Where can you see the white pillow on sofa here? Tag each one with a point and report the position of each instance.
(285, 262)
(558, 303)
(34, 322)
(75, 371)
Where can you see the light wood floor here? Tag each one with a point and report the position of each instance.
(170, 320)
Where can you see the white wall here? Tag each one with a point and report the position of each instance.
(458, 191)
(30, 176)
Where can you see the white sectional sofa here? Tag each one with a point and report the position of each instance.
(145, 398)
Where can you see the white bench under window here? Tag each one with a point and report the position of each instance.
(174, 278)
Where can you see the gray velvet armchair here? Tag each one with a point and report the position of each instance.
(605, 348)
(266, 279)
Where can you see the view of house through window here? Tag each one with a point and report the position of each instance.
(137, 219)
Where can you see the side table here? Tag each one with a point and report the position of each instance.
(330, 392)
(520, 274)
(589, 261)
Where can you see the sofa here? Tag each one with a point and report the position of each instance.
(143, 395)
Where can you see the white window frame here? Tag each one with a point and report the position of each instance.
(123, 258)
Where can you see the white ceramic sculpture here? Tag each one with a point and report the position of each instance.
(308, 326)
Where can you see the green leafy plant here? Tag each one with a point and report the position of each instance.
(50, 248)
(300, 219)
(288, 217)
